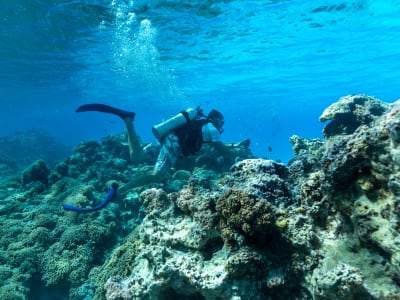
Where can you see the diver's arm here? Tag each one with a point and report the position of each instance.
(231, 151)
(229, 154)
(244, 144)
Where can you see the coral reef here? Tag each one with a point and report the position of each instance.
(24, 147)
(37, 171)
(213, 240)
(46, 250)
(325, 226)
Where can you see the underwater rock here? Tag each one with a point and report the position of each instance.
(393, 123)
(343, 282)
(302, 146)
(350, 112)
(264, 178)
(183, 247)
(37, 171)
(361, 185)
(155, 200)
(349, 157)
(168, 260)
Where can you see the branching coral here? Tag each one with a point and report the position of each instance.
(58, 264)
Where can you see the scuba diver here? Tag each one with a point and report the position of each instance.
(180, 135)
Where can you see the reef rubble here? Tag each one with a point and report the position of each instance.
(324, 226)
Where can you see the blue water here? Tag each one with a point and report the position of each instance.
(271, 67)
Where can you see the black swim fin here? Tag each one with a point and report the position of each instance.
(106, 109)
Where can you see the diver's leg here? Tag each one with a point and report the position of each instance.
(136, 153)
(167, 157)
(139, 180)
(169, 153)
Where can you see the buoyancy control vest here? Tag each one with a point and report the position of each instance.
(190, 136)
(187, 126)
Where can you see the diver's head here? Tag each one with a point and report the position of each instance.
(216, 118)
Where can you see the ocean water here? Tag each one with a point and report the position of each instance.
(270, 66)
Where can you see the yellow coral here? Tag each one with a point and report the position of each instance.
(282, 223)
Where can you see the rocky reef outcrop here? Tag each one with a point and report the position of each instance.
(211, 240)
(324, 226)
(353, 200)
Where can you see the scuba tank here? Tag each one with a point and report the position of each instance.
(171, 124)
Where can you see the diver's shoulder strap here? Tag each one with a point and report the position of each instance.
(199, 114)
(186, 115)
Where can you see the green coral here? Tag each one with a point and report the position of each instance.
(59, 264)
(73, 256)
(120, 263)
(13, 291)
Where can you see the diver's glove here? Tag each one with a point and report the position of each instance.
(242, 144)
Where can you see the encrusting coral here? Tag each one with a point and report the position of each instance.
(325, 226)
